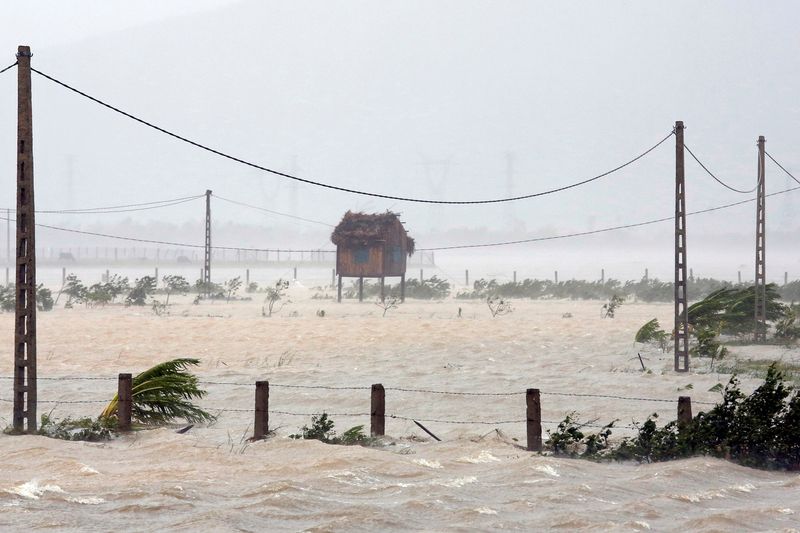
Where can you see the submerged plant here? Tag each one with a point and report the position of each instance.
(164, 393)
(322, 430)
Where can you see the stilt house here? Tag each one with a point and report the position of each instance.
(371, 246)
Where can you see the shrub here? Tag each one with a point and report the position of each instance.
(322, 430)
(142, 288)
(760, 430)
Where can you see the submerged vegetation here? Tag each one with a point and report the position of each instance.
(164, 393)
(760, 430)
(322, 430)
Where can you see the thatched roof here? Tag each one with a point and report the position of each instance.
(362, 229)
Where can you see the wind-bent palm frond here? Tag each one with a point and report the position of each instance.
(164, 393)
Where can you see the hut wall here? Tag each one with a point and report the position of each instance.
(358, 261)
(396, 253)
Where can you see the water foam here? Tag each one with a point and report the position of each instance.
(32, 490)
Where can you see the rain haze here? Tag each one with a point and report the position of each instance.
(442, 101)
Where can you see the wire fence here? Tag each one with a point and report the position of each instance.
(403, 417)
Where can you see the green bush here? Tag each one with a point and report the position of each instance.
(760, 430)
(322, 430)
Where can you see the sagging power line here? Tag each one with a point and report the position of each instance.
(734, 189)
(339, 188)
(12, 65)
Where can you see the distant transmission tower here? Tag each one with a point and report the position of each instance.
(436, 173)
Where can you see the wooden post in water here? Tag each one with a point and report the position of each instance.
(534, 420)
(339, 290)
(402, 287)
(124, 402)
(261, 422)
(377, 420)
(684, 410)
(361, 289)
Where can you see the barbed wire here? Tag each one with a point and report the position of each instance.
(781, 167)
(395, 389)
(716, 178)
(8, 67)
(336, 187)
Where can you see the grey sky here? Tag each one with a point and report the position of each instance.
(362, 94)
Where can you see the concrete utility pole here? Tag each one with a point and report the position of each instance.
(681, 308)
(25, 323)
(207, 257)
(760, 334)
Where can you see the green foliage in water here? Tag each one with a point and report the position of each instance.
(322, 430)
(85, 429)
(760, 430)
(164, 393)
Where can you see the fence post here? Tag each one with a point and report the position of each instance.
(515, 277)
(534, 420)
(785, 278)
(466, 276)
(377, 420)
(246, 278)
(684, 410)
(261, 422)
(555, 276)
(63, 275)
(124, 402)
(602, 276)
(739, 276)
(421, 277)
(295, 273)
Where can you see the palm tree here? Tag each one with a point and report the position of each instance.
(164, 393)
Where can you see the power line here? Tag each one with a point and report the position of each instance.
(271, 211)
(716, 178)
(781, 167)
(462, 246)
(8, 67)
(123, 208)
(336, 187)
(603, 230)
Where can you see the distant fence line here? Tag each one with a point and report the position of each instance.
(377, 414)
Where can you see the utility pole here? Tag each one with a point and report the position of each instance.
(207, 261)
(25, 323)
(681, 308)
(760, 334)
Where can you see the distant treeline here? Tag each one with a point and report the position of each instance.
(644, 290)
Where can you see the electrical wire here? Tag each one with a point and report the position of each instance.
(716, 178)
(593, 232)
(456, 247)
(8, 67)
(781, 167)
(123, 209)
(336, 187)
(264, 209)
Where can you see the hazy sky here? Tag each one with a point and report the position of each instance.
(435, 99)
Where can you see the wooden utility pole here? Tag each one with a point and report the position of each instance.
(25, 323)
(760, 334)
(681, 308)
(207, 257)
